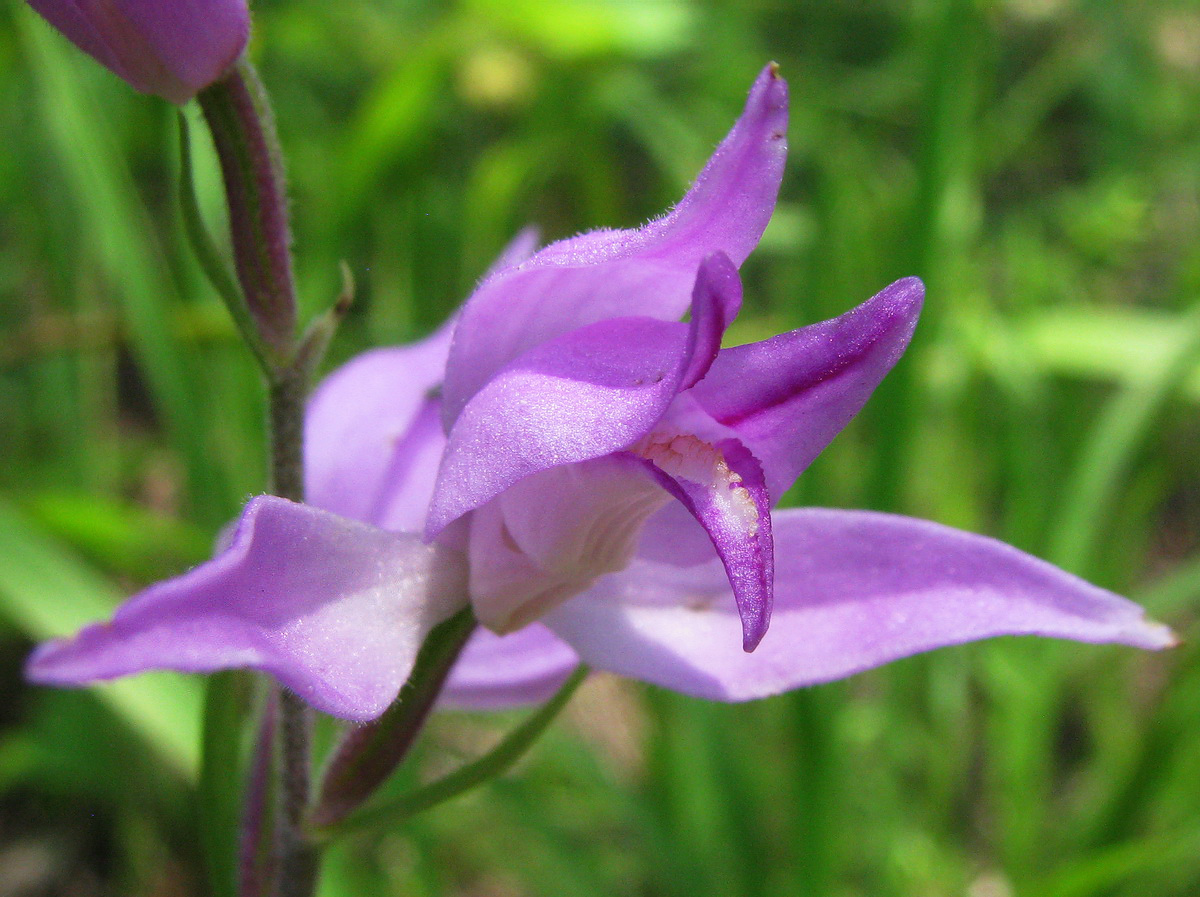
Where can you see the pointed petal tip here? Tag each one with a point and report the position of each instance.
(752, 636)
(718, 272)
(899, 303)
(1153, 636)
(769, 77)
(909, 291)
(770, 92)
(41, 666)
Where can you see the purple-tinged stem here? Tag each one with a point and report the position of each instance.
(243, 131)
(258, 865)
(299, 860)
(239, 117)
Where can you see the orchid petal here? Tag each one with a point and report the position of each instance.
(361, 454)
(722, 487)
(500, 671)
(854, 590)
(648, 271)
(334, 609)
(788, 396)
(582, 395)
(716, 300)
(552, 535)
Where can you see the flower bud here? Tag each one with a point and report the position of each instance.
(172, 48)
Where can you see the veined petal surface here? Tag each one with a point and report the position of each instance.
(334, 609)
(553, 534)
(853, 590)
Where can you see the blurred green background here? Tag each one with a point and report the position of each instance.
(1037, 162)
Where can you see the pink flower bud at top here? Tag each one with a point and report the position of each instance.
(172, 48)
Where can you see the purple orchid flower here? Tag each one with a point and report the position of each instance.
(172, 48)
(596, 479)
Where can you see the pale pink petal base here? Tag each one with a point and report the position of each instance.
(336, 610)
(853, 590)
(498, 671)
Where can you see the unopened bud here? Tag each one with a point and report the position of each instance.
(172, 48)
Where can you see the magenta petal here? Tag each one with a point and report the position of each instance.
(173, 49)
(716, 300)
(336, 610)
(583, 395)
(788, 396)
(372, 434)
(737, 518)
(853, 590)
(499, 671)
(648, 271)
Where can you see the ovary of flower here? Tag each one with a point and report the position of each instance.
(688, 457)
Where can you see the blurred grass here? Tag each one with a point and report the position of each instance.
(1034, 160)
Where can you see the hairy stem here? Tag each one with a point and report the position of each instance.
(239, 117)
(243, 130)
(299, 857)
(298, 862)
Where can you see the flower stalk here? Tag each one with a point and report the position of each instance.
(298, 855)
(494, 763)
(242, 125)
(288, 388)
(243, 129)
(369, 754)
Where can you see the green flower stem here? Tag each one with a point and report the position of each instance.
(492, 764)
(287, 391)
(369, 754)
(243, 130)
(299, 857)
(214, 267)
(239, 117)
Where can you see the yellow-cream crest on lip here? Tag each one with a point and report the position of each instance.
(688, 457)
